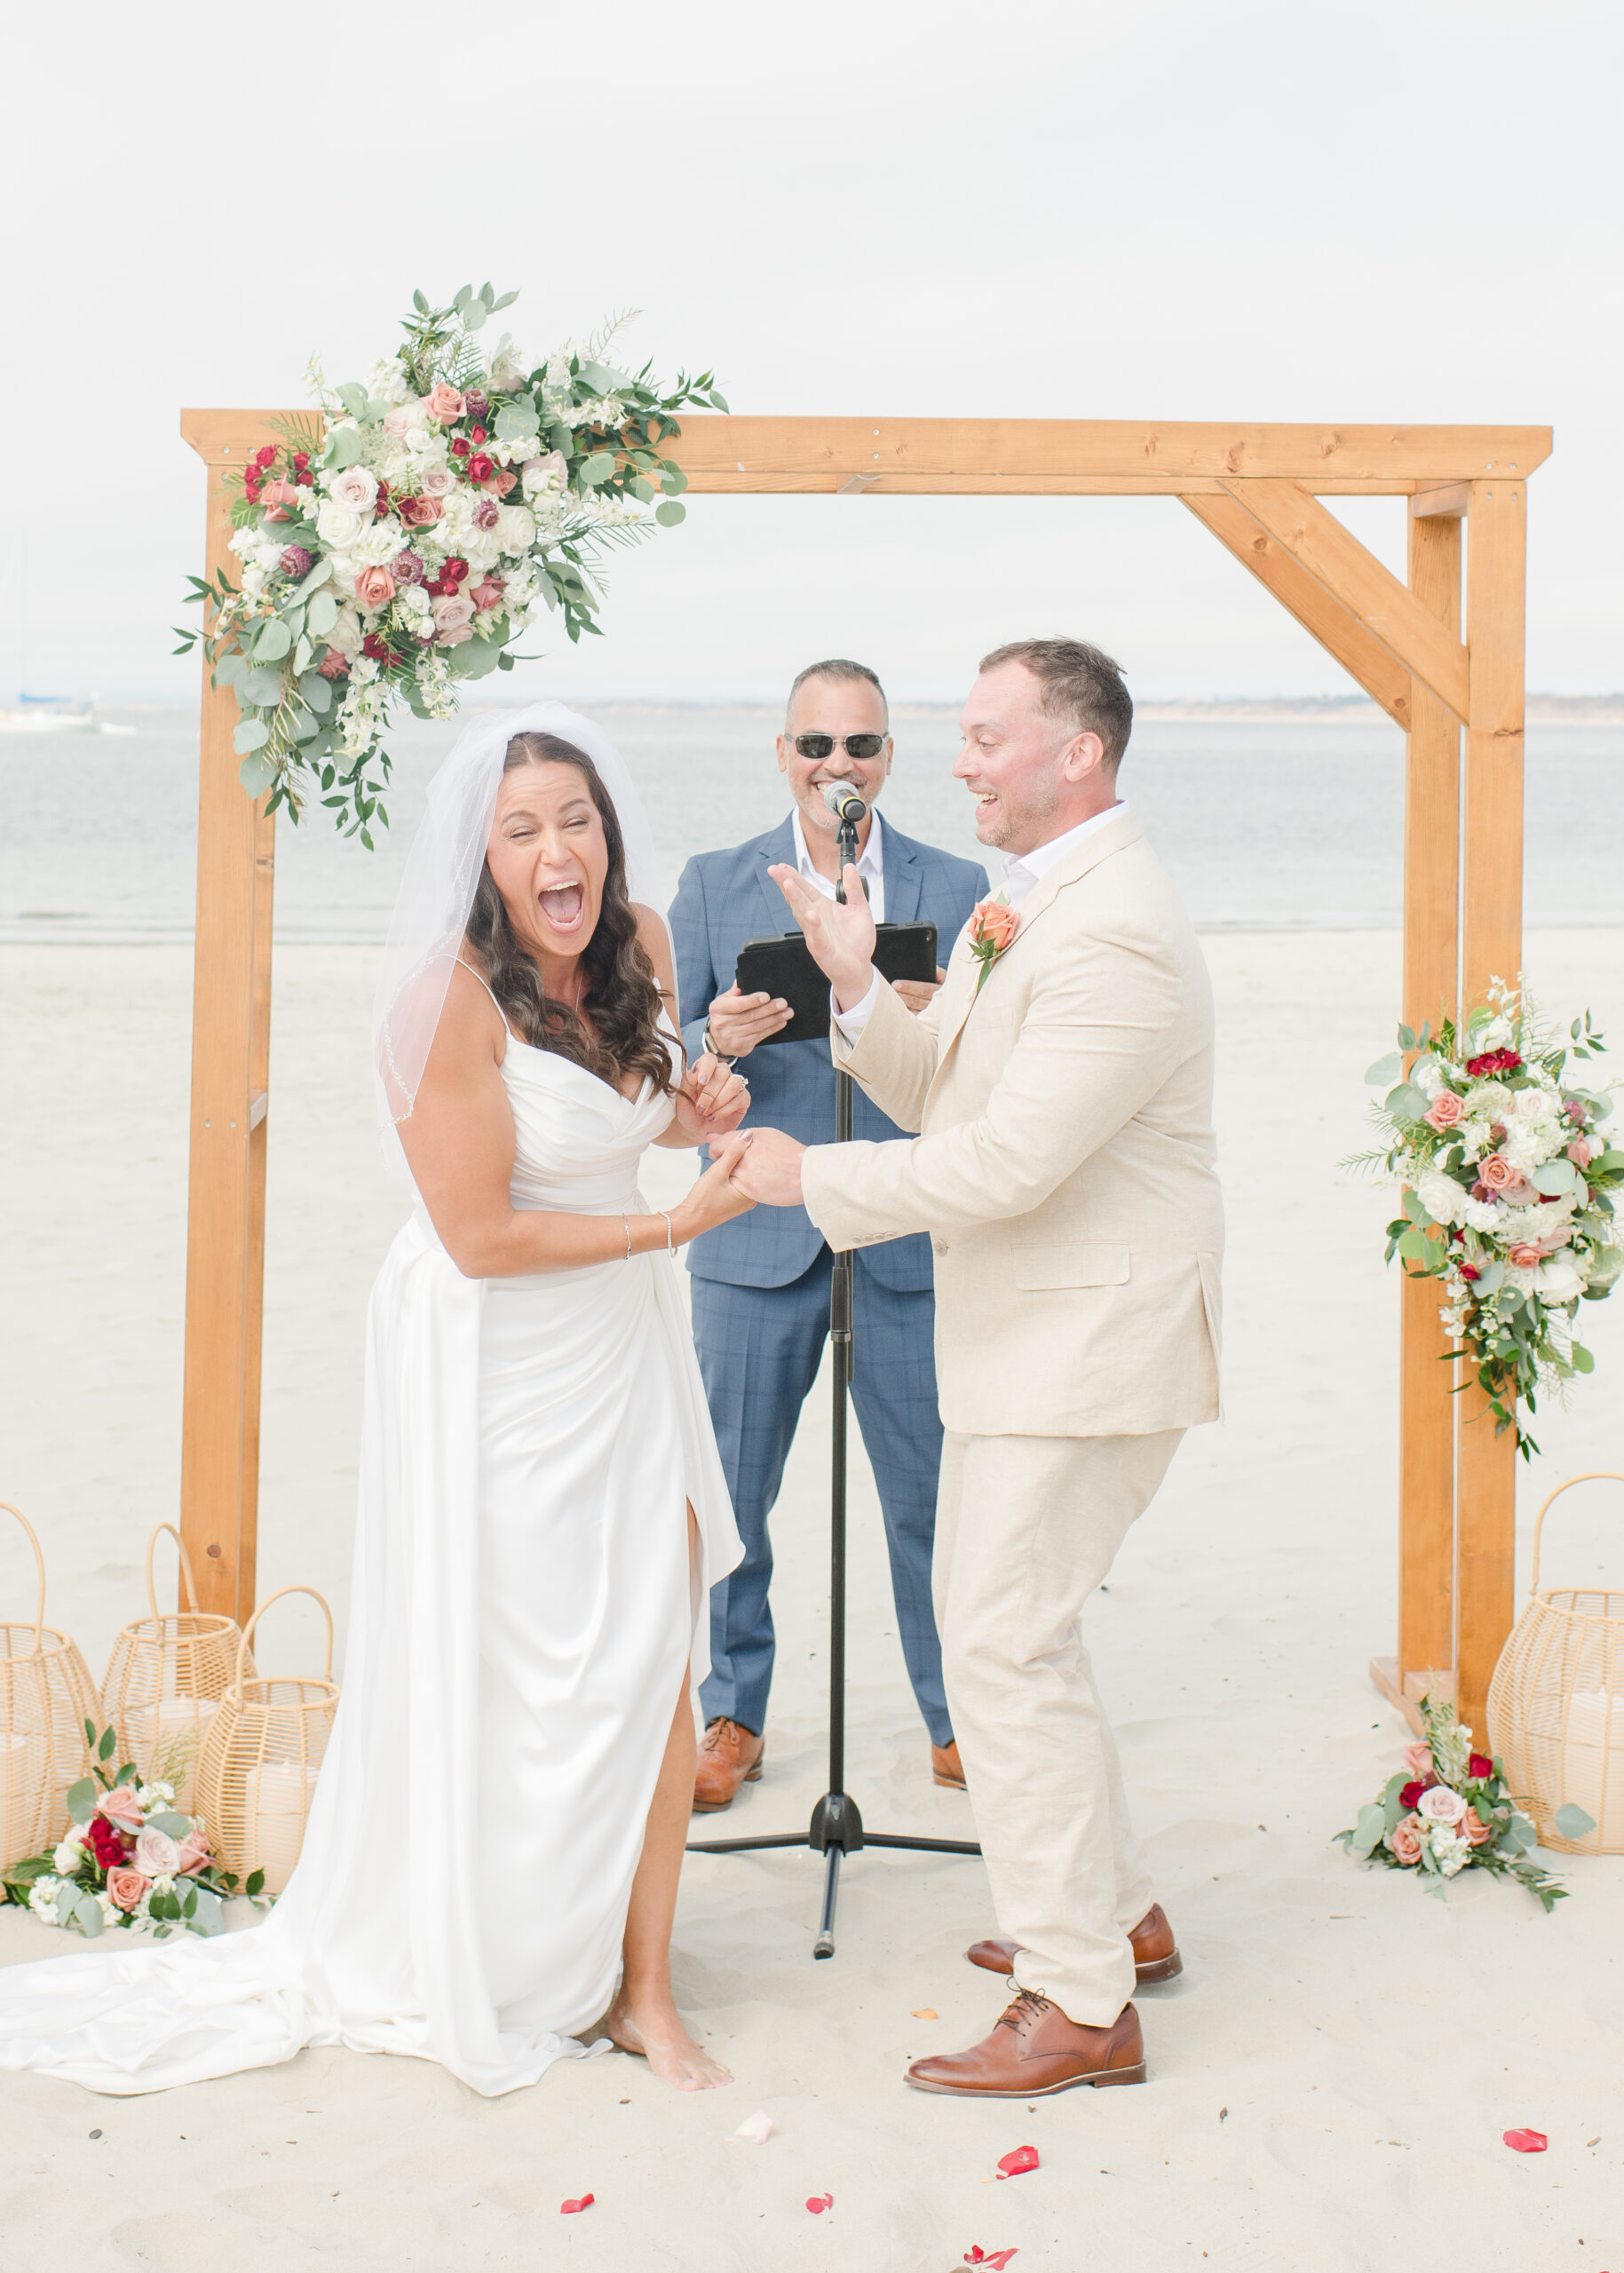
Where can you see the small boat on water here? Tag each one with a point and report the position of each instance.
(50, 714)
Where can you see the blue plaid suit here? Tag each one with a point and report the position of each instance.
(761, 1284)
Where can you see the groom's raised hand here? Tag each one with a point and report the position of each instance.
(841, 938)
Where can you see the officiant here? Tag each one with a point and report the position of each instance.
(761, 1284)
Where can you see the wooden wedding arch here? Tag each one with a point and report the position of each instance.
(1257, 490)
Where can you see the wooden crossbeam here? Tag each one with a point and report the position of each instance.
(1318, 541)
(1357, 649)
(1446, 504)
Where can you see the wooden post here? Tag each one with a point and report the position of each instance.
(1431, 949)
(1491, 947)
(231, 1038)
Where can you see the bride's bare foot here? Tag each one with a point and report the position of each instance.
(653, 2028)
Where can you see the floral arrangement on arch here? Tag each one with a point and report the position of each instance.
(1509, 1181)
(1448, 1811)
(129, 1859)
(398, 542)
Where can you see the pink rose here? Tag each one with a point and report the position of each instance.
(486, 593)
(437, 481)
(398, 422)
(1445, 1110)
(1581, 1151)
(420, 513)
(374, 587)
(993, 924)
(278, 495)
(194, 1854)
(120, 1806)
(1418, 1760)
(1498, 1173)
(1477, 1832)
(502, 482)
(1405, 1840)
(333, 665)
(354, 488)
(1526, 1255)
(156, 1854)
(1441, 1805)
(452, 613)
(455, 636)
(444, 403)
(125, 1887)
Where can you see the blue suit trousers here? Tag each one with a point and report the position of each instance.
(759, 1351)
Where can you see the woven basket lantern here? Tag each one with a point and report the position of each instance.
(46, 1696)
(165, 1679)
(261, 1754)
(1557, 1703)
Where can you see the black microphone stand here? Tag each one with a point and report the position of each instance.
(836, 1829)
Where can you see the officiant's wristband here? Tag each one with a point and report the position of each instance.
(708, 1048)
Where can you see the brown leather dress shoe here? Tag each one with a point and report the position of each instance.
(1155, 1954)
(947, 1768)
(1035, 2050)
(729, 1755)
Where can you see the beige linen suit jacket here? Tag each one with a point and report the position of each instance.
(1064, 1164)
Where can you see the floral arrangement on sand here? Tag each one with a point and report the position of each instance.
(1508, 1181)
(1448, 1811)
(129, 1859)
(397, 542)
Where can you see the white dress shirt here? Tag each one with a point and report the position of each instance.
(1021, 873)
(871, 863)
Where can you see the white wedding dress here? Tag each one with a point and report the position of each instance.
(523, 1614)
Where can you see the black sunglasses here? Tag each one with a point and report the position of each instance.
(816, 748)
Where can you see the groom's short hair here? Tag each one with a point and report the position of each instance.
(837, 666)
(1080, 684)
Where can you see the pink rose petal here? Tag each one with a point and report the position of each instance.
(1017, 2160)
(1526, 2143)
(754, 2130)
(819, 2203)
(583, 2202)
(997, 2258)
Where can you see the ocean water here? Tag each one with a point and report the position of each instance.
(1263, 825)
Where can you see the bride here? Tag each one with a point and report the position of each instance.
(490, 1865)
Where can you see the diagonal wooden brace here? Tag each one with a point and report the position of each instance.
(1302, 596)
(1319, 544)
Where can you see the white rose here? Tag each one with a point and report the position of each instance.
(1558, 1281)
(542, 475)
(355, 486)
(69, 1855)
(423, 443)
(339, 526)
(1440, 1804)
(156, 1854)
(1441, 1196)
(515, 528)
(346, 634)
(413, 599)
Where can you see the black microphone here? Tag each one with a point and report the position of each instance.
(845, 800)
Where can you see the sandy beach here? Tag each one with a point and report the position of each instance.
(1330, 2081)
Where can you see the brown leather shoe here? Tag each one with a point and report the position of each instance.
(1155, 1954)
(1035, 2050)
(946, 1766)
(729, 1755)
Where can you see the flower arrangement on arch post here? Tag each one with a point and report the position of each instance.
(396, 542)
(1509, 1181)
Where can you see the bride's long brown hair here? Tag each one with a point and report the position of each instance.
(619, 986)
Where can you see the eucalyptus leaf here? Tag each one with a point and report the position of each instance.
(251, 734)
(321, 616)
(1385, 1070)
(516, 421)
(1403, 1103)
(345, 446)
(474, 315)
(257, 774)
(641, 489)
(596, 376)
(81, 1799)
(232, 669)
(307, 729)
(177, 1826)
(1571, 1821)
(1555, 1176)
(475, 657)
(302, 653)
(318, 575)
(1370, 1829)
(670, 512)
(273, 641)
(317, 692)
(674, 481)
(597, 469)
(263, 687)
(87, 1910)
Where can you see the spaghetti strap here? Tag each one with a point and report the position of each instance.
(491, 991)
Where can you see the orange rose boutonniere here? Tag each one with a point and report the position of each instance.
(993, 924)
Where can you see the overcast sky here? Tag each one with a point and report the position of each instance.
(1406, 210)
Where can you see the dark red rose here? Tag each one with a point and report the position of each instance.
(459, 448)
(306, 480)
(455, 570)
(1470, 1271)
(481, 468)
(1479, 1766)
(301, 459)
(478, 434)
(267, 457)
(1410, 1795)
(1492, 1061)
(105, 1843)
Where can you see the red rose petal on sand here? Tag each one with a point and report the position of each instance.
(1526, 2143)
(996, 2258)
(569, 2209)
(1017, 2160)
(819, 2203)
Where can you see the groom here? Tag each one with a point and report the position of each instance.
(1062, 1085)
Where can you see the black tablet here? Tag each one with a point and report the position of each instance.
(783, 967)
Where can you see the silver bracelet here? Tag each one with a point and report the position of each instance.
(626, 1220)
(670, 1235)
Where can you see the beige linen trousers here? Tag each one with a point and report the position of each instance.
(1065, 1171)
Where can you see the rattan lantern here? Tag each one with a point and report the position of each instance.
(46, 1696)
(165, 1679)
(1557, 1703)
(261, 1754)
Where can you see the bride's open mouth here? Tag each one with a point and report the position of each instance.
(563, 905)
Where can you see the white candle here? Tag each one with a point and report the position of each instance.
(277, 1800)
(166, 1739)
(1593, 1748)
(21, 1765)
